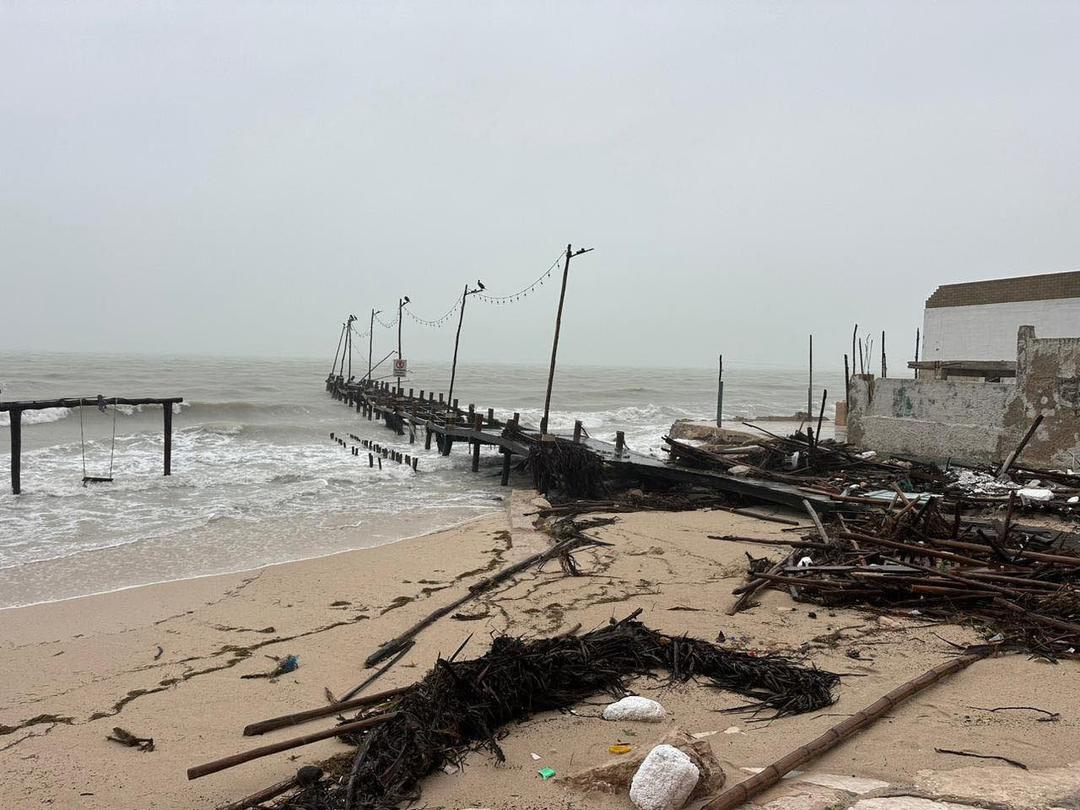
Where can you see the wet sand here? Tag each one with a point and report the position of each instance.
(71, 671)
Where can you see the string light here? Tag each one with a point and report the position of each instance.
(385, 325)
(437, 322)
(523, 293)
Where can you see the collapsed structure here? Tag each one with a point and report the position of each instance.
(999, 355)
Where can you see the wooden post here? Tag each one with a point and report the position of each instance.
(810, 384)
(917, 336)
(370, 343)
(884, 373)
(555, 341)
(620, 442)
(491, 416)
(457, 340)
(337, 351)
(427, 438)
(476, 443)
(16, 452)
(577, 431)
(720, 394)
(400, 307)
(348, 338)
(505, 467)
(167, 407)
(847, 384)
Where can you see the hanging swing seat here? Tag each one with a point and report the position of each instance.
(102, 405)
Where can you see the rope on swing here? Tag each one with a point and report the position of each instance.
(101, 405)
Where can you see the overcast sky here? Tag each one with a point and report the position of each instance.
(235, 178)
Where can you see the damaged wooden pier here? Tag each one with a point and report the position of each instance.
(445, 422)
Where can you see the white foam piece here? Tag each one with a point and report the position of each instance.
(665, 780)
(635, 708)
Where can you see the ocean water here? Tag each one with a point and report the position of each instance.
(257, 479)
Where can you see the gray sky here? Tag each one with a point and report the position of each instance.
(234, 178)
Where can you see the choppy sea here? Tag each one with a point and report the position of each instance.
(256, 478)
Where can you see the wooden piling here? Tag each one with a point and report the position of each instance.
(16, 452)
(167, 410)
(577, 431)
(476, 443)
(620, 442)
(505, 468)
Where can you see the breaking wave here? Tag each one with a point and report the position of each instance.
(37, 417)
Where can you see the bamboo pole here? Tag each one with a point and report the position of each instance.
(216, 765)
(295, 719)
(747, 789)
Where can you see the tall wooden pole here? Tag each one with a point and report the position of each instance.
(16, 452)
(348, 335)
(457, 339)
(337, 351)
(370, 342)
(400, 307)
(917, 336)
(884, 371)
(555, 342)
(810, 384)
(720, 394)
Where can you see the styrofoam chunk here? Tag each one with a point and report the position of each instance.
(1033, 494)
(636, 708)
(664, 781)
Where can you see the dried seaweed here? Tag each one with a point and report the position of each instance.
(462, 705)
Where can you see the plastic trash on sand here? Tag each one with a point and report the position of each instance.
(665, 780)
(546, 773)
(635, 708)
(619, 748)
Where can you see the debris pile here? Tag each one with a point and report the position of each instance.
(461, 705)
(1017, 583)
(826, 467)
(1038, 490)
(565, 467)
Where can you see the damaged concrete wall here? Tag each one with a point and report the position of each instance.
(976, 421)
(1048, 383)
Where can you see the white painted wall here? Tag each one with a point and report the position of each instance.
(988, 331)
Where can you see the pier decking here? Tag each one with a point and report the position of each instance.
(411, 414)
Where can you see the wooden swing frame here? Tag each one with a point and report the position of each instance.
(16, 410)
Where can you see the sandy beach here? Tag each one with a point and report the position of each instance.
(165, 661)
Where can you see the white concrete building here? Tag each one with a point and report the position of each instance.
(979, 320)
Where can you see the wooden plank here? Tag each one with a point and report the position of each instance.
(69, 402)
(769, 491)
